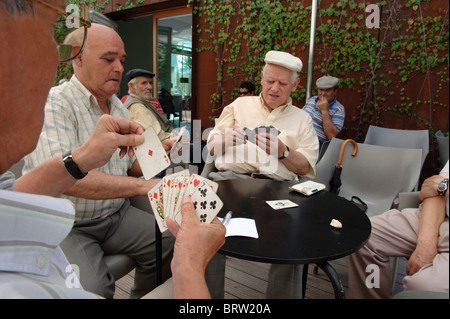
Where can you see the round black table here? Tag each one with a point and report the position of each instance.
(299, 235)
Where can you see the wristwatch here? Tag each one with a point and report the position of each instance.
(285, 154)
(71, 166)
(442, 187)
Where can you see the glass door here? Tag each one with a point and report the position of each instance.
(174, 65)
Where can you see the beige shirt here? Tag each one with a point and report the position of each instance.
(140, 114)
(296, 128)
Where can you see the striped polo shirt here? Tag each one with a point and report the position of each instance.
(32, 265)
(337, 113)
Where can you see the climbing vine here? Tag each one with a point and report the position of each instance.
(399, 70)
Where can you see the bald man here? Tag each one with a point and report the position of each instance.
(105, 223)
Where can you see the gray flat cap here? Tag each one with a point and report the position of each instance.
(327, 82)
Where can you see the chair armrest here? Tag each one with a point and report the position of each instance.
(408, 200)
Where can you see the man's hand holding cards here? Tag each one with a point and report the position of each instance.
(166, 197)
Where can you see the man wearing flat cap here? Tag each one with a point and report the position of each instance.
(285, 149)
(144, 108)
(327, 113)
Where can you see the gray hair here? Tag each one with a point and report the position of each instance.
(134, 82)
(18, 7)
(293, 78)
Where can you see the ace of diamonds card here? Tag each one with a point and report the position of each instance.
(151, 154)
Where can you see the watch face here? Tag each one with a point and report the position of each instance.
(442, 186)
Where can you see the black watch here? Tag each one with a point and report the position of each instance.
(285, 154)
(71, 166)
(442, 187)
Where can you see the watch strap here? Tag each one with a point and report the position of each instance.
(282, 156)
(71, 166)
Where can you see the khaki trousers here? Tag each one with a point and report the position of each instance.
(394, 234)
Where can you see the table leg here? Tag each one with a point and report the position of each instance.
(304, 279)
(334, 278)
(158, 255)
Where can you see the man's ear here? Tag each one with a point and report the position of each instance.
(78, 60)
(131, 87)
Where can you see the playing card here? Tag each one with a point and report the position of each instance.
(151, 154)
(195, 181)
(281, 204)
(206, 202)
(182, 184)
(156, 202)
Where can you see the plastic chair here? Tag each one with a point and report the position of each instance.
(376, 174)
(415, 139)
(443, 145)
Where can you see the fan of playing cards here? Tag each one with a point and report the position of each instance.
(166, 197)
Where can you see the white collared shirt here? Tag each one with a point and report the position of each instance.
(296, 131)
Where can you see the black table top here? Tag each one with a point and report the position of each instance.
(299, 235)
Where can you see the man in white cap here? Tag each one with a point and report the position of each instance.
(294, 150)
(327, 113)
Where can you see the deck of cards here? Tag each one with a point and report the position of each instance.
(166, 197)
(250, 134)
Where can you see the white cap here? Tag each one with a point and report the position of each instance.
(284, 59)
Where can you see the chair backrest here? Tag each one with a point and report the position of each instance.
(416, 139)
(443, 145)
(325, 167)
(378, 173)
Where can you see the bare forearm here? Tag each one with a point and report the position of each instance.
(98, 185)
(297, 163)
(190, 285)
(329, 128)
(431, 217)
(51, 178)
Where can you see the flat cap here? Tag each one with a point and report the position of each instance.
(284, 59)
(137, 72)
(327, 82)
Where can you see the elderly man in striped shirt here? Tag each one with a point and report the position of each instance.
(327, 113)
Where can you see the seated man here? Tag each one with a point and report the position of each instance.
(105, 222)
(144, 109)
(421, 234)
(287, 156)
(327, 113)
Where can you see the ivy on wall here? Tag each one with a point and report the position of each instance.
(378, 65)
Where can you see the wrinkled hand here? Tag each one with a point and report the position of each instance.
(234, 136)
(322, 104)
(429, 186)
(109, 134)
(270, 144)
(195, 244)
(421, 256)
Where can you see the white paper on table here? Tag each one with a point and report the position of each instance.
(241, 227)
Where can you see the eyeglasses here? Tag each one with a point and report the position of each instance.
(61, 29)
(244, 92)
